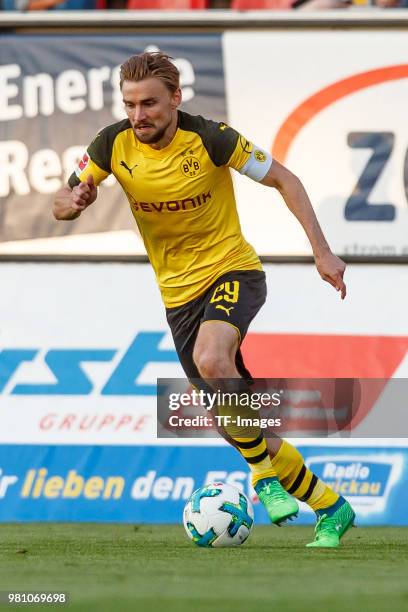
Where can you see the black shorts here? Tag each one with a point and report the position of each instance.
(235, 297)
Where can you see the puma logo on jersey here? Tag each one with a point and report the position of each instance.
(227, 310)
(130, 170)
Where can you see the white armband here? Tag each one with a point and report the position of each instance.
(257, 164)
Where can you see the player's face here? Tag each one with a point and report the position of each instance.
(151, 109)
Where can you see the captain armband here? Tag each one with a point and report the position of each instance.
(257, 164)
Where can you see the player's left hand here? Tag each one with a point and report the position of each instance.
(331, 268)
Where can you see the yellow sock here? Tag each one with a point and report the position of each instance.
(299, 481)
(250, 442)
(256, 455)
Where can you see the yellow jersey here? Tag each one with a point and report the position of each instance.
(182, 199)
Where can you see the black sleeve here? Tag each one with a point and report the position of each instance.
(219, 139)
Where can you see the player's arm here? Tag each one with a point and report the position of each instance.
(235, 151)
(70, 202)
(330, 267)
(258, 165)
(81, 191)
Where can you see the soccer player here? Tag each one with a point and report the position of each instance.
(174, 170)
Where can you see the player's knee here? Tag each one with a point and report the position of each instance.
(211, 365)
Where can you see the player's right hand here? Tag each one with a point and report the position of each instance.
(84, 194)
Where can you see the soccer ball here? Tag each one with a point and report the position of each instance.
(218, 515)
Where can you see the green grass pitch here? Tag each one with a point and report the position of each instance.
(132, 568)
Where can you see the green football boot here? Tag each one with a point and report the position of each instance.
(279, 505)
(330, 529)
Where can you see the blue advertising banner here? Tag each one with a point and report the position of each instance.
(152, 483)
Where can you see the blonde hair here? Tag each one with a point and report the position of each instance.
(155, 64)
